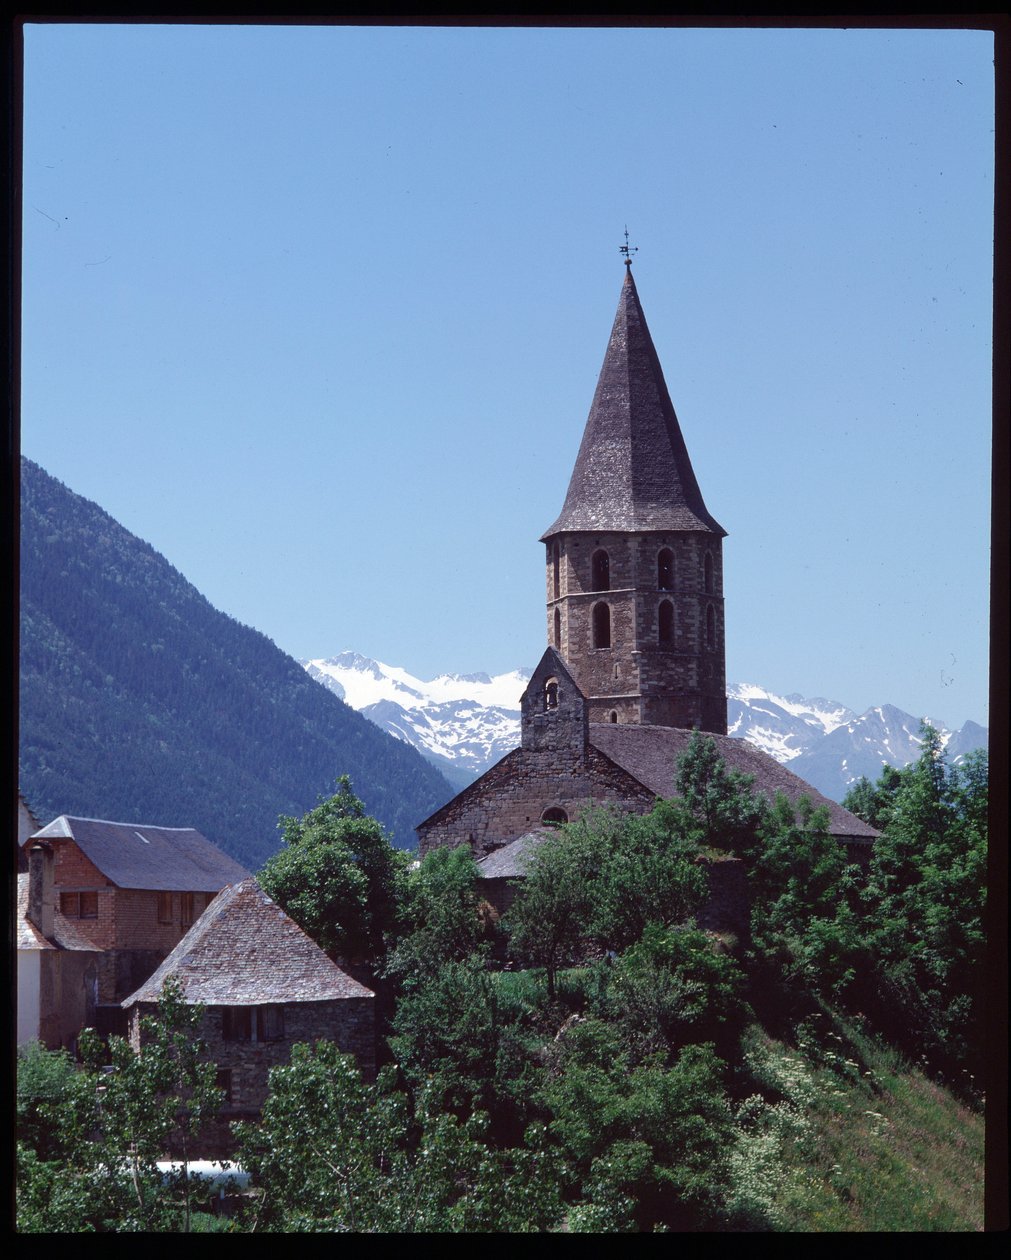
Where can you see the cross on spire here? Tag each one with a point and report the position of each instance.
(628, 250)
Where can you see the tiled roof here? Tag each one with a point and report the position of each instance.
(65, 932)
(137, 855)
(650, 754)
(633, 471)
(245, 951)
(509, 861)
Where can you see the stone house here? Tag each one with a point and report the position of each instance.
(636, 631)
(265, 986)
(130, 891)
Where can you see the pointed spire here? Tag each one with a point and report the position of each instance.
(632, 472)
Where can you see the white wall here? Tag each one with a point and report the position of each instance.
(29, 1014)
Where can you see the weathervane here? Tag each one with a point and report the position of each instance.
(628, 250)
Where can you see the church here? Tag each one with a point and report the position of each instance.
(635, 625)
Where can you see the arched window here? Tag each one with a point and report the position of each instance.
(707, 568)
(665, 622)
(600, 571)
(556, 566)
(665, 570)
(555, 816)
(710, 628)
(601, 626)
(614, 716)
(551, 694)
(558, 629)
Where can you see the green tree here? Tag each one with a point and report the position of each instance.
(724, 810)
(47, 1087)
(549, 920)
(803, 897)
(647, 1144)
(117, 1120)
(438, 921)
(925, 906)
(601, 880)
(649, 873)
(675, 987)
(335, 1154)
(446, 1037)
(338, 877)
(873, 802)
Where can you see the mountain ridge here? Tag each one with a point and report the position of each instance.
(139, 699)
(825, 742)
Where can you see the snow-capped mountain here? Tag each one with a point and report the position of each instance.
(783, 726)
(464, 723)
(830, 745)
(860, 747)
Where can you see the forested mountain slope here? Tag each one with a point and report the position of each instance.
(141, 702)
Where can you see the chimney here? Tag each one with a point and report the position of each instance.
(41, 899)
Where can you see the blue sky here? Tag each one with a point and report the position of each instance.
(319, 312)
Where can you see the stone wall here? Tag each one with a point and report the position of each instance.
(638, 678)
(728, 908)
(510, 798)
(350, 1022)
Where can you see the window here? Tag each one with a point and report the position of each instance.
(186, 908)
(600, 571)
(614, 716)
(555, 565)
(223, 1080)
(236, 1024)
(601, 626)
(558, 629)
(554, 817)
(164, 907)
(551, 694)
(707, 567)
(665, 570)
(665, 622)
(252, 1023)
(79, 905)
(270, 1023)
(710, 628)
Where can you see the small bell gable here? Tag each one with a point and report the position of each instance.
(554, 713)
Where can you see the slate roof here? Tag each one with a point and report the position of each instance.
(137, 855)
(632, 471)
(509, 861)
(66, 934)
(245, 951)
(650, 753)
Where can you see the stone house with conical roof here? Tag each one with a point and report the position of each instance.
(636, 632)
(265, 985)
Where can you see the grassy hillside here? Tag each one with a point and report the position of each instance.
(861, 1140)
(141, 702)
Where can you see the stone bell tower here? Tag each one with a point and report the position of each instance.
(635, 561)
